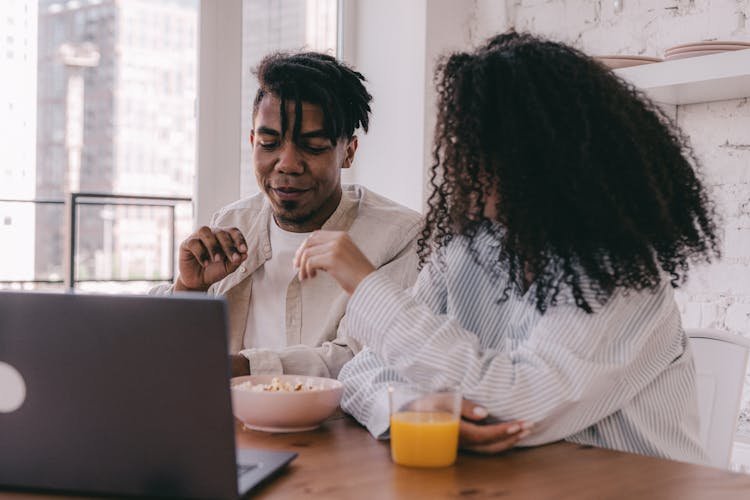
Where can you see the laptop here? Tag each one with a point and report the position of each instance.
(124, 395)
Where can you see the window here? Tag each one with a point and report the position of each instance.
(102, 96)
(102, 101)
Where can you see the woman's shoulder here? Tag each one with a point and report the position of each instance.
(623, 308)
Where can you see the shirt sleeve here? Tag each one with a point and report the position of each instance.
(366, 378)
(365, 397)
(162, 289)
(556, 378)
(323, 361)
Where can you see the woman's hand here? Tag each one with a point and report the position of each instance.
(335, 253)
(488, 438)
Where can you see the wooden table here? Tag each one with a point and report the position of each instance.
(341, 460)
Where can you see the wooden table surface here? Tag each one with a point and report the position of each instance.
(340, 460)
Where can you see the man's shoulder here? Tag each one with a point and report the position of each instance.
(240, 210)
(378, 209)
(382, 227)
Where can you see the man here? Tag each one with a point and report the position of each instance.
(305, 114)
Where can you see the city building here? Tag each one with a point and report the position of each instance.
(116, 101)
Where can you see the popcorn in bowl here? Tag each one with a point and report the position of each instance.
(277, 385)
(284, 403)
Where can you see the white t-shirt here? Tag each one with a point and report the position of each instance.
(266, 320)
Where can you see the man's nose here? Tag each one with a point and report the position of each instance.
(290, 160)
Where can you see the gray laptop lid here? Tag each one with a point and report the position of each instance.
(118, 394)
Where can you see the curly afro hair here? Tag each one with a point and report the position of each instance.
(591, 185)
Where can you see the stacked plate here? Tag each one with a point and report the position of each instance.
(702, 49)
(614, 62)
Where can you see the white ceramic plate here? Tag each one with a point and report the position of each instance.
(702, 44)
(615, 62)
(705, 47)
(693, 53)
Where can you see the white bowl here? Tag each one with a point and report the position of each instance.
(285, 411)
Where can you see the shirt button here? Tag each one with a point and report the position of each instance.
(243, 269)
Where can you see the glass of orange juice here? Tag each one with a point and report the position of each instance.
(424, 425)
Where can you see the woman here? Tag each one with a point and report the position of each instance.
(565, 209)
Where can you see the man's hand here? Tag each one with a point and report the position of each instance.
(240, 365)
(208, 256)
(335, 253)
(488, 438)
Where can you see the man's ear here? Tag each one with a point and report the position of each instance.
(351, 148)
(252, 138)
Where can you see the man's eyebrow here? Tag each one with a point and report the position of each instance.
(266, 131)
(306, 135)
(314, 133)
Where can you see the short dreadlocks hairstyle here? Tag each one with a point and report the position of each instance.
(317, 79)
(595, 187)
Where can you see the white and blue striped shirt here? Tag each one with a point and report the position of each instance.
(621, 377)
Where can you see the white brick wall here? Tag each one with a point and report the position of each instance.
(717, 295)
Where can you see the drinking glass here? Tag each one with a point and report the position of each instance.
(424, 425)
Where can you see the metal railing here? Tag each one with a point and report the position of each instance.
(72, 203)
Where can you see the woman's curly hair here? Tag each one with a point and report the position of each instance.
(593, 186)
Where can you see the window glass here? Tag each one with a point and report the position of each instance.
(101, 101)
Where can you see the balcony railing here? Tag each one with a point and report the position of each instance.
(72, 205)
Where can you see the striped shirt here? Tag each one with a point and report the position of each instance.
(621, 377)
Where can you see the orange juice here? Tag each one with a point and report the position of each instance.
(424, 439)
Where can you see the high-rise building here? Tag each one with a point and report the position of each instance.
(18, 32)
(116, 99)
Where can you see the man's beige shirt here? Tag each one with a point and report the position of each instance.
(385, 232)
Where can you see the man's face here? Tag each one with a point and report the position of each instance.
(302, 179)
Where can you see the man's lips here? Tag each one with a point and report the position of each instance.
(288, 192)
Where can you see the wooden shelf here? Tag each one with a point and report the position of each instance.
(715, 77)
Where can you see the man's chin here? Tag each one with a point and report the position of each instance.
(288, 206)
(290, 213)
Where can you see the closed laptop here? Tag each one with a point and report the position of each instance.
(117, 394)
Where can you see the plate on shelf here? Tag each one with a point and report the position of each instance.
(706, 44)
(614, 62)
(712, 46)
(692, 53)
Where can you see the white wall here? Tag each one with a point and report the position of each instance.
(390, 51)
(395, 44)
(219, 109)
(718, 295)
